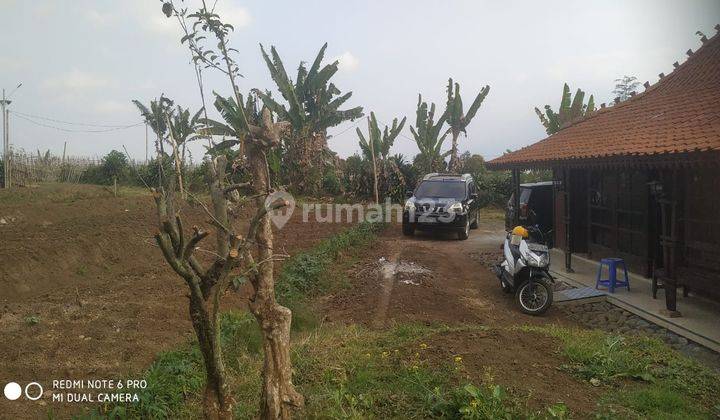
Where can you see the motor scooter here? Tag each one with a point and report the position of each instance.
(525, 269)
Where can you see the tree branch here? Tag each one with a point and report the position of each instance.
(196, 238)
(235, 187)
(209, 213)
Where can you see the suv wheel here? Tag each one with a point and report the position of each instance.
(408, 229)
(465, 231)
(476, 220)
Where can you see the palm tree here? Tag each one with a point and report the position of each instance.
(459, 121)
(313, 106)
(377, 148)
(428, 139)
(570, 110)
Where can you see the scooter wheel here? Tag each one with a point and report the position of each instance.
(534, 298)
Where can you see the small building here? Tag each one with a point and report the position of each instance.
(640, 180)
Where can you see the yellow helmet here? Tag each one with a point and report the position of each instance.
(520, 231)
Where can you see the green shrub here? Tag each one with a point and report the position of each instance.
(331, 183)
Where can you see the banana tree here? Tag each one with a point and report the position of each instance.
(428, 139)
(377, 148)
(181, 129)
(156, 116)
(238, 121)
(570, 109)
(457, 120)
(380, 141)
(312, 106)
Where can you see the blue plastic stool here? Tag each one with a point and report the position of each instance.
(612, 282)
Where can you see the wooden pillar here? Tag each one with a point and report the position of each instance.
(588, 213)
(567, 220)
(516, 196)
(669, 210)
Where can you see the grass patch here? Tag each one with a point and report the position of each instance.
(176, 378)
(355, 372)
(308, 273)
(492, 212)
(643, 372)
(345, 371)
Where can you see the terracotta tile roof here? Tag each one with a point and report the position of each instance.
(679, 114)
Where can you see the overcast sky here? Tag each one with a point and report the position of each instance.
(84, 61)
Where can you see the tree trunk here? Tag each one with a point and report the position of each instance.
(217, 402)
(375, 176)
(454, 160)
(305, 163)
(279, 396)
(176, 156)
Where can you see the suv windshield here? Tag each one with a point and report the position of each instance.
(441, 189)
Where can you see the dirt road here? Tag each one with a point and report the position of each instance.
(437, 279)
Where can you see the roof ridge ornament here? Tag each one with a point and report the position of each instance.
(702, 36)
(676, 64)
(646, 84)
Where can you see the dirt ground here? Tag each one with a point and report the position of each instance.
(439, 279)
(84, 291)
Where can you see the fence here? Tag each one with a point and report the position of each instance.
(32, 168)
(27, 168)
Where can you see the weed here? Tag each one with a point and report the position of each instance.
(32, 320)
(306, 274)
(660, 403)
(643, 361)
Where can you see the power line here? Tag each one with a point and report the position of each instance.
(69, 122)
(401, 133)
(347, 129)
(70, 130)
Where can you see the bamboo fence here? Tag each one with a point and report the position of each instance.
(28, 169)
(32, 168)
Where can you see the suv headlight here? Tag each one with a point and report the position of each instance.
(455, 208)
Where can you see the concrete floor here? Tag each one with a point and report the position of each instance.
(700, 320)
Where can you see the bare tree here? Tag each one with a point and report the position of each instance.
(245, 252)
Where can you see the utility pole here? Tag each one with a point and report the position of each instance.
(6, 141)
(4, 103)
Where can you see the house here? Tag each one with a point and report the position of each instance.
(641, 180)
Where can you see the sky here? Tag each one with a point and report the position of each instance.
(84, 61)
